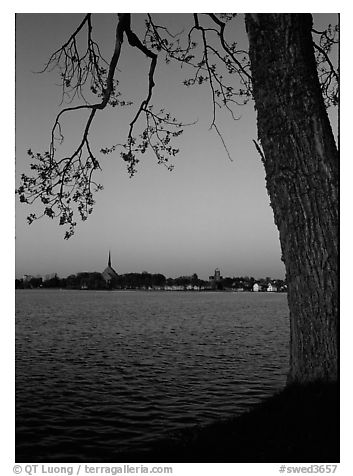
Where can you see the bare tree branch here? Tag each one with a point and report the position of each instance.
(225, 45)
(328, 73)
(135, 42)
(61, 181)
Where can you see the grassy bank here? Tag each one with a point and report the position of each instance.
(300, 424)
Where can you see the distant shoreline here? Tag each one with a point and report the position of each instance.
(229, 291)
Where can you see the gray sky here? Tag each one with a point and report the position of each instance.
(209, 212)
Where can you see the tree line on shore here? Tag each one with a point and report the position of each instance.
(145, 280)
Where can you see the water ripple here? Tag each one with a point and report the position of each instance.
(102, 373)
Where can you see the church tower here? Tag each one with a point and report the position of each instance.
(109, 274)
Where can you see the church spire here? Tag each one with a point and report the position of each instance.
(109, 261)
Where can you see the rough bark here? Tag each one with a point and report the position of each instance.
(301, 164)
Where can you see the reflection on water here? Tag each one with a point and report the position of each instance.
(101, 373)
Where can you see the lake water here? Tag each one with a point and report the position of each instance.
(102, 373)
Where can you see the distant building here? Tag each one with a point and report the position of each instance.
(174, 288)
(216, 279)
(271, 288)
(256, 288)
(109, 274)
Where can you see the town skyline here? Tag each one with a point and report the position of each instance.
(232, 275)
(111, 280)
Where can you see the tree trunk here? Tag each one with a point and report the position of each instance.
(301, 163)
